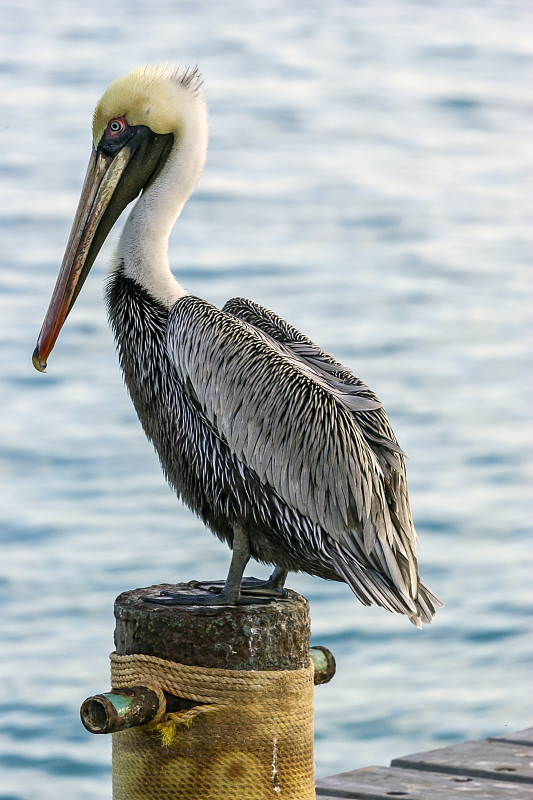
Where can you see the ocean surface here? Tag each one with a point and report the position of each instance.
(369, 178)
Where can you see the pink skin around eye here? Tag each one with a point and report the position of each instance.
(116, 126)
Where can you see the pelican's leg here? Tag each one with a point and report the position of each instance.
(277, 579)
(228, 595)
(273, 587)
(239, 559)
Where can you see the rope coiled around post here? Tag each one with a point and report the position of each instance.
(250, 736)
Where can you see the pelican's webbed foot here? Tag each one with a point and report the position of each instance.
(205, 594)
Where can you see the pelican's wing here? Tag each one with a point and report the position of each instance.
(300, 421)
(376, 426)
(380, 438)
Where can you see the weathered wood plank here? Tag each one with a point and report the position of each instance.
(518, 737)
(382, 783)
(483, 759)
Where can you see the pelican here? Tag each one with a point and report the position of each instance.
(280, 450)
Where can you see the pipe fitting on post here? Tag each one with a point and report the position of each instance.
(122, 708)
(324, 663)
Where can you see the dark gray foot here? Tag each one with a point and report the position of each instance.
(208, 594)
(250, 587)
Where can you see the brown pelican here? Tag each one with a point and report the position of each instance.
(280, 450)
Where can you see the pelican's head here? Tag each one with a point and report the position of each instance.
(138, 122)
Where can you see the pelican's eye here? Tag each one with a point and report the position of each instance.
(116, 125)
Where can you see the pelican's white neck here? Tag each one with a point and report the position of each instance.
(143, 246)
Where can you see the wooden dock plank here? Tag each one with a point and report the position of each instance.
(382, 783)
(519, 737)
(484, 759)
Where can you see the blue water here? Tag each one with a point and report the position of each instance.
(367, 178)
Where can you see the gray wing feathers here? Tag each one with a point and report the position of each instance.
(310, 429)
(265, 405)
(376, 427)
(381, 440)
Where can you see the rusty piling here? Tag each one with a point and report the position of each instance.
(211, 701)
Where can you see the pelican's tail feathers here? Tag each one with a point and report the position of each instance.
(372, 588)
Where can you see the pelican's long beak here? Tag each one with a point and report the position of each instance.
(118, 171)
(103, 175)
